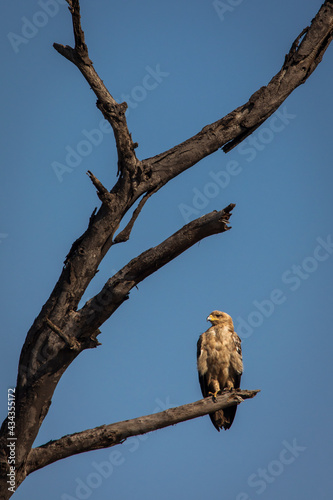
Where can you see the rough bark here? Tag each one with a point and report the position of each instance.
(61, 332)
(106, 436)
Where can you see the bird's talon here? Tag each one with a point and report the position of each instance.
(214, 394)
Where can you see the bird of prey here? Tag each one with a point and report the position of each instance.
(219, 362)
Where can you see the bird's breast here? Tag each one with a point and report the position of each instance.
(215, 352)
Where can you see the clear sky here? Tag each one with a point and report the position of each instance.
(181, 65)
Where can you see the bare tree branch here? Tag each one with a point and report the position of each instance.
(231, 130)
(73, 343)
(103, 194)
(106, 436)
(116, 290)
(228, 132)
(80, 44)
(113, 112)
(125, 233)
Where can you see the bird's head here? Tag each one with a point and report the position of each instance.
(219, 318)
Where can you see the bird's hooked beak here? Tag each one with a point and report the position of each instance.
(211, 318)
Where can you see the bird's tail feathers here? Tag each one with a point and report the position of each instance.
(223, 419)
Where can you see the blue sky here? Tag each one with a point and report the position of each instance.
(181, 65)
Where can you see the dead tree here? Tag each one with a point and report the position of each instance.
(62, 331)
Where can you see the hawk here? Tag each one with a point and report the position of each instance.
(219, 362)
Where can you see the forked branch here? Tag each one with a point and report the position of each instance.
(80, 45)
(113, 112)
